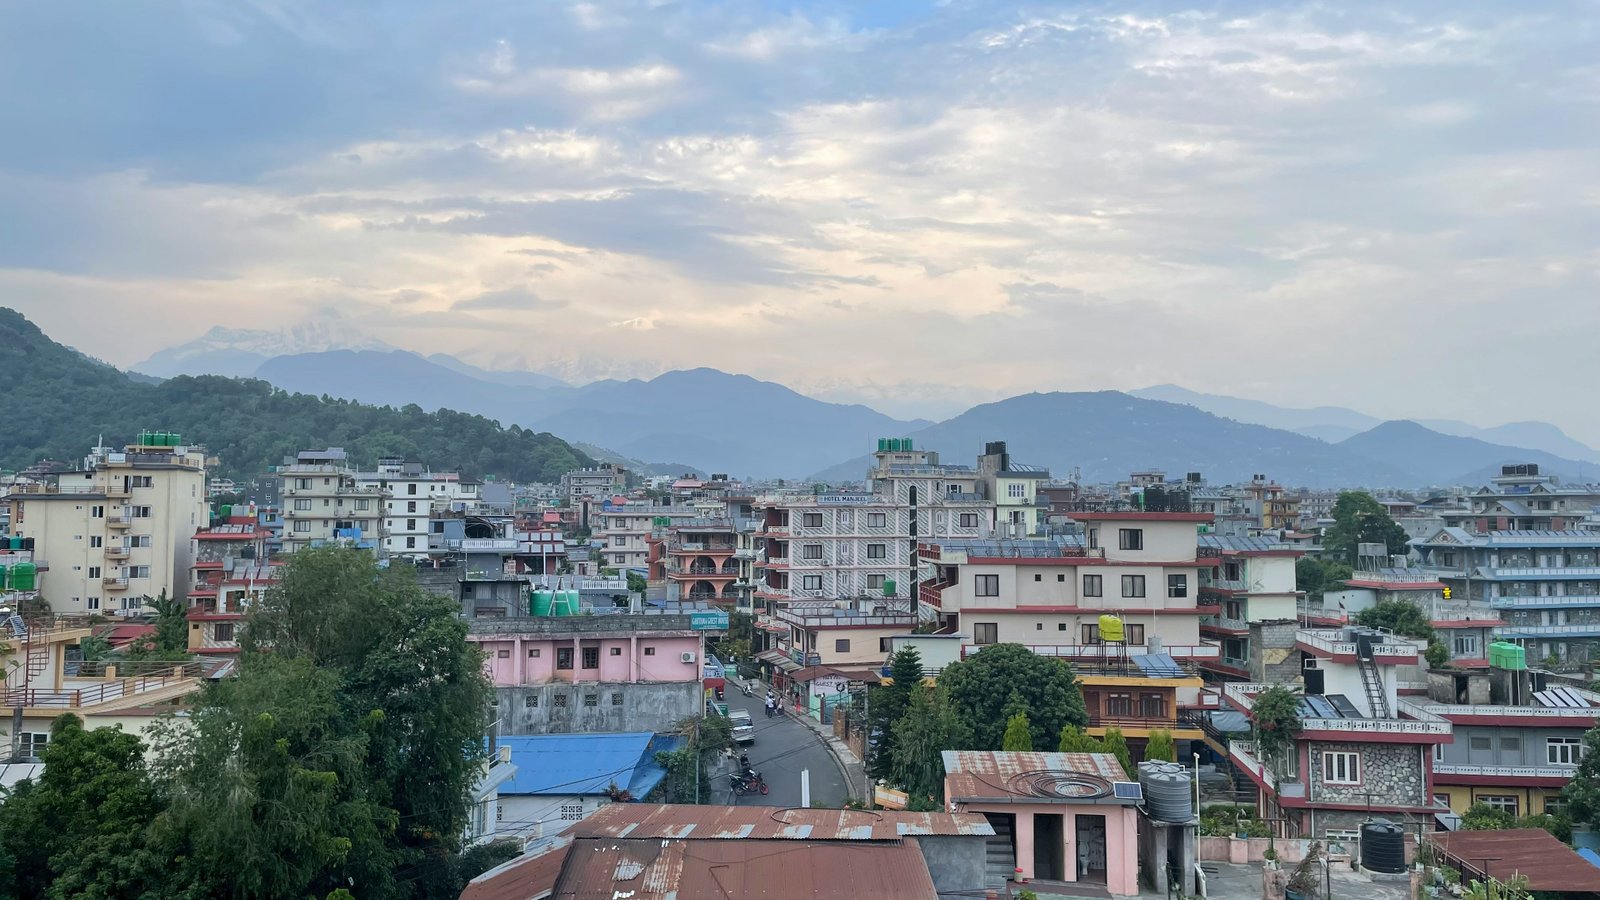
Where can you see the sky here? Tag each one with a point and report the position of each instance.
(1393, 207)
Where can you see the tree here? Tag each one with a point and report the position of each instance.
(1075, 740)
(1360, 519)
(80, 830)
(1399, 616)
(1017, 736)
(1582, 793)
(981, 686)
(929, 727)
(1117, 746)
(1275, 721)
(1436, 653)
(887, 704)
(689, 768)
(637, 584)
(1160, 746)
(1483, 817)
(1317, 576)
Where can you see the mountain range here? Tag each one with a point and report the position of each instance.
(710, 421)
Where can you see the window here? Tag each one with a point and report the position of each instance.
(97, 512)
(1061, 626)
(411, 543)
(94, 571)
(1133, 585)
(877, 551)
(1441, 800)
(986, 632)
(1119, 705)
(1092, 585)
(1438, 754)
(411, 488)
(1481, 743)
(969, 520)
(1555, 806)
(876, 582)
(1177, 586)
(411, 524)
(1496, 801)
(886, 645)
(302, 504)
(1564, 751)
(559, 701)
(841, 645)
(1091, 634)
(139, 540)
(1060, 578)
(222, 631)
(411, 506)
(302, 525)
(620, 540)
(1152, 706)
(1464, 645)
(572, 812)
(811, 582)
(138, 571)
(94, 602)
(1230, 572)
(811, 551)
(96, 540)
(1130, 538)
(986, 585)
(502, 654)
(616, 698)
(616, 651)
(530, 702)
(302, 484)
(140, 512)
(879, 520)
(1016, 490)
(30, 744)
(649, 651)
(591, 657)
(811, 520)
(363, 505)
(144, 481)
(591, 700)
(533, 652)
(1341, 768)
(563, 657)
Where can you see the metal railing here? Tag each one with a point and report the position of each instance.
(1094, 651)
(1590, 630)
(1333, 642)
(1506, 771)
(106, 692)
(1547, 600)
(124, 520)
(126, 668)
(1541, 712)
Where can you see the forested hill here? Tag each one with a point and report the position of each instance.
(57, 401)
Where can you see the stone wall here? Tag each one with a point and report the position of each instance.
(563, 708)
(1273, 657)
(1391, 774)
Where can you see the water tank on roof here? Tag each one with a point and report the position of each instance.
(1168, 791)
(888, 587)
(540, 603)
(2, 578)
(1110, 628)
(24, 577)
(15, 542)
(1383, 847)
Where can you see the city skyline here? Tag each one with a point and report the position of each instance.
(934, 204)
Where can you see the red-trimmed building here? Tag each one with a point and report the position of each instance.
(231, 570)
(1252, 584)
(1362, 748)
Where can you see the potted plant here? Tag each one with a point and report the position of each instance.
(1304, 884)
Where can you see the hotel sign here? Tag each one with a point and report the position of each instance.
(846, 499)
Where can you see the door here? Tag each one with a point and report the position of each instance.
(1049, 846)
(1091, 848)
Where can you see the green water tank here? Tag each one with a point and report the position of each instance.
(24, 577)
(2, 578)
(541, 603)
(565, 604)
(888, 587)
(905, 444)
(15, 543)
(226, 511)
(174, 439)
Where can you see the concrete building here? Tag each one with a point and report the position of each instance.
(626, 527)
(851, 638)
(1014, 489)
(592, 673)
(117, 530)
(1521, 499)
(323, 503)
(1544, 584)
(696, 560)
(231, 570)
(1518, 739)
(1253, 582)
(412, 497)
(1361, 747)
(564, 778)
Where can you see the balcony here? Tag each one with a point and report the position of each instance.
(123, 521)
(1088, 654)
(1548, 631)
(1242, 695)
(1565, 772)
(1332, 642)
(1546, 572)
(117, 552)
(1545, 602)
(118, 489)
(120, 693)
(115, 582)
(1242, 754)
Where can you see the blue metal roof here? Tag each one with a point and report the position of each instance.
(586, 763)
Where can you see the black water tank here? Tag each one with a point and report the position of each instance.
(27, 544)
(1383, 847)
(1316, 681)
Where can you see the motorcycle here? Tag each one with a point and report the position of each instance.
(746, 689)
(748, 783)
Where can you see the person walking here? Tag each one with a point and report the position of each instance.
(772, 704)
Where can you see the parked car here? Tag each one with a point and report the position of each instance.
(744, 730)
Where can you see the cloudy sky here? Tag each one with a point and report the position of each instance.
(1394, 207)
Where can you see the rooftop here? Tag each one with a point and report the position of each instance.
(1505, 853)
(642, 820)
(1031, 777)
(576, 764)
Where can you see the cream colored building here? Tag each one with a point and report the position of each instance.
(324, 503)
(118, 530)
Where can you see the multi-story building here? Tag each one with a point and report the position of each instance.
(626, 528)
(1521, 499)
(1252, 583)
(586, 489)
(323, 503)
(1361, 748)
(850, 639)
(1518, 738)
(1270, 505)
(1545, 584)
(231, 570)
(697, 560)
(117, 530)
(412, 497)
(1014, 489)
(610, 672)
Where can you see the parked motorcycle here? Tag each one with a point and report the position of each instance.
(748, 783)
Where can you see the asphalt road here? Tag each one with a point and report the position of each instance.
(784, 747)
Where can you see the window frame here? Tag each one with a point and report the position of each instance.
(1177, 585)
(985, 585)
(1342, 767)
(1134, 582)
(983, 629)
(1567, 747)
(1094, 586)
(1130, 538)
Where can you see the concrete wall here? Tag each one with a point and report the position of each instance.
(955, 862)
(540, 815)
(646, 658)
(1273, 656)
(535, 709)
(1507, 746)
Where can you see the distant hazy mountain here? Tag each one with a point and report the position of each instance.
(715, 421)
(602, 454)
(1336, 423)
(240, 351)
(1107, 434)
(1435, 458)
(513, 378)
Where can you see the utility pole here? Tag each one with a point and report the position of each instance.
(866, 744)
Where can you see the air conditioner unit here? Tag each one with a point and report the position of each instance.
(687, 657)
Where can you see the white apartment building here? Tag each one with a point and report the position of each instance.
(412, 497)
(117, 530)
(323, 503)
(625, 530)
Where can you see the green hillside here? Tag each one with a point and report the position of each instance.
(56, 401)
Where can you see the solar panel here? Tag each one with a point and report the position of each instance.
(1127, 790)
(1561, 697)
(1323, 708)
(18, 628)
(1342, 703)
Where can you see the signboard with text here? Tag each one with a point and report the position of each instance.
(709, 620)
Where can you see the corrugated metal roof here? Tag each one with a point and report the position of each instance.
(650, 820)
(578, 763)
(1240, 544)
(1032, 776)
(531, 876)
(1549, 864)
(603, 869)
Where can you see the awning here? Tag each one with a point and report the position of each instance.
(778, 659)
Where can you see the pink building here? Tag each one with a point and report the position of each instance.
(592, 673)
(1058, 813)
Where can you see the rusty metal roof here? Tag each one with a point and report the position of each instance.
(1549, 864)
(531, 876)
(606, 868)
(1031, 776)
(654, 820)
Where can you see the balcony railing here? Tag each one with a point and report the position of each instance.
(1506, 771)
(1332, 642)
(123, 521)
(1227, 624)
(1242, 694)
(1242, 753)
(1162, 720)
(1555, 714)
(117, 552)
(118, 489)
(1526, 631)
(107, 692)
(115, 582)
(1076, 652)
(1544, 602)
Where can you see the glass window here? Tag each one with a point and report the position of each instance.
(563, 657)
(811, 551)
(1505, 803)
(877, 551)
(1133, 585)
(1130, 538)
(811, 582)
(969, 520)
(1177, 586)
(1016, 490)
(986, 585)
(1341, 768)
(1564, 751)
(986, 632)
(878, 520)
(591, 657)
(875, 582)
(811, 520)
(841, 645)
(1092, 585)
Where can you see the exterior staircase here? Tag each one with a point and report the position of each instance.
(999, 859)
(1372, 680)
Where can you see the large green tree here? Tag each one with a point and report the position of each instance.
(887, 704)
(982, 687)
(1017, 736)
(1407, 620)
(1317, 576)
(1360, 519)
(929, 727)
(1582, 793)
(81, 830)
